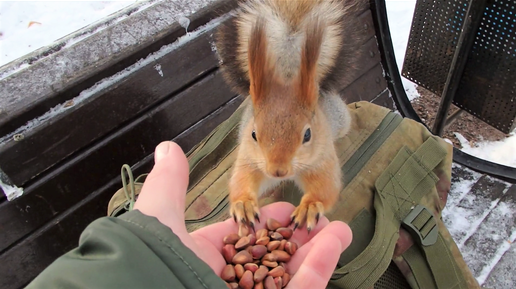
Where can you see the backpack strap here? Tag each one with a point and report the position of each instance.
(399, 190)
(402, 186)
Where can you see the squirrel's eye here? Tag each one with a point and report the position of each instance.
(308, 135)
(254, 135)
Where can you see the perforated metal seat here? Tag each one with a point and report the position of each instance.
(487, 88)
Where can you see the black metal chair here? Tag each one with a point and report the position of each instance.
(463, 51)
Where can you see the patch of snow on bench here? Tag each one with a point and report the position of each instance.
(11, 191)
(112, 80)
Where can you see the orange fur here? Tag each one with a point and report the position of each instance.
(259, 72)
(281, 112)
(309, 56)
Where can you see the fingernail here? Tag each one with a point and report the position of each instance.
(162, 151)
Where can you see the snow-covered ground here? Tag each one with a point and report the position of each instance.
(400, 14)
(502, 152)
(28, 25)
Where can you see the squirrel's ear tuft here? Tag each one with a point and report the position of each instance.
(259, 66)
(309, 56)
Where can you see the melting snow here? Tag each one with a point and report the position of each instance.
(501, 152)
(29, 25)
(158, 68)
(109, 81)
(482, 227)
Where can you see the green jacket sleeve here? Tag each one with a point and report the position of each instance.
(131, 251)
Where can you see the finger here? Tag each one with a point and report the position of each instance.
(163, 196)
(301, 236)
(339, 229)
(316, 269)
(205, 250)
(215, 233)
(279, 211)
(164, 190)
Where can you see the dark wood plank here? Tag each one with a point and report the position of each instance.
(502, 275)
(384, 99)
(105, 110)
(366, 25)
(21, 263)
(76, 68)
(69, 183)
(494, 231)
(367, 87)
(474, 205)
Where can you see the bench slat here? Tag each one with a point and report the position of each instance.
(105, 110)
(93, 167)
(20, 264)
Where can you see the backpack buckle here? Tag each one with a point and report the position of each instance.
(421, 224)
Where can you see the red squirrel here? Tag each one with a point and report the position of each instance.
(289, 58)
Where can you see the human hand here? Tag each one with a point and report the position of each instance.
(163, 196)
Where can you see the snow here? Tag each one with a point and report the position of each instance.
(109, 81)
(26, 26)
(501, 152)
(399, 14)
(482, 224)
(504, 247)
(184, 22)
(158, 69)
(10, 191)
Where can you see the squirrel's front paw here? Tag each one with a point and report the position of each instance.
(245, 211)
(307, 212)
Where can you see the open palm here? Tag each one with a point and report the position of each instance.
(163, 196)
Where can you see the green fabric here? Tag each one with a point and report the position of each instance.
(445, 269)
(215, 147)
(362, 227)
(419, 267)
(132, 251)
(402, 188)
(408, 177)
(364, 270)
(370, 146)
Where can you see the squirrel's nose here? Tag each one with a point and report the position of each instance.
(280, 173)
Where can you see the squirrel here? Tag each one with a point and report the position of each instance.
(290, 58)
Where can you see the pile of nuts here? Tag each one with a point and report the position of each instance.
(258, 261)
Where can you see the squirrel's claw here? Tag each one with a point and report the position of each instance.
(257, 217)
(245, 213)
(307, 213)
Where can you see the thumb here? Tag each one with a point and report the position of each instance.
(319, 264)
(163, 193)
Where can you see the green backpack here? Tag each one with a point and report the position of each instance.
(396, 179)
